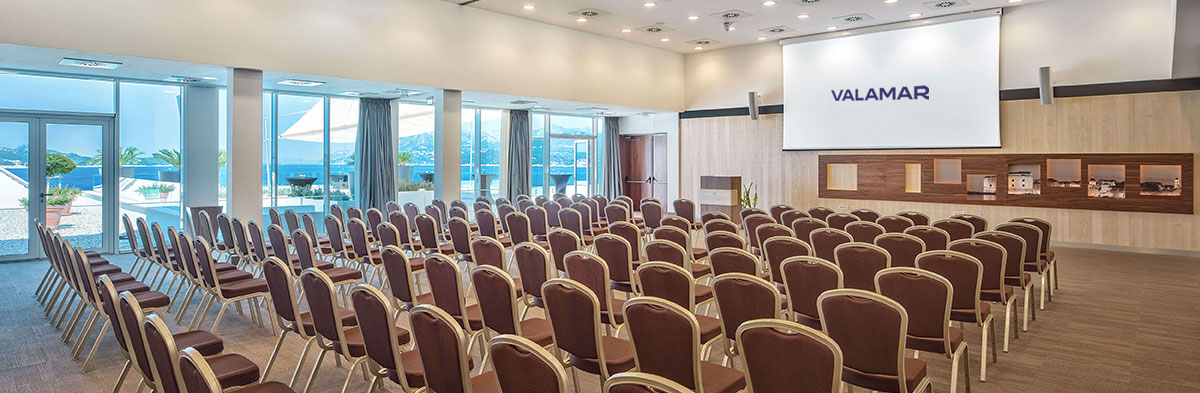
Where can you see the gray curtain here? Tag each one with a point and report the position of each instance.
(613, 180)
(375, 158)
(520, 153)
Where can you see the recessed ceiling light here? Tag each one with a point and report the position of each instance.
(626, 30)
(300, 82)
(351, 93)
(762, 38)
(581, 19)
(831, 28)
(649, 4)
(802, 16)
(769, 3)
(914, 15)
(698, 48)
(1014, 1)
(890, 1)
(184, 79)
(665, 39)
(209, 78)
(528, 6)
(693, 17)
(85, 63)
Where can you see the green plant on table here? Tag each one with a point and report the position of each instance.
(414, 186)
(749, 196)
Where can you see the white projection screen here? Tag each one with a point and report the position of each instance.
(933, 86)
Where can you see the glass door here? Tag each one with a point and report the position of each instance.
(54, 170)
(583, 167)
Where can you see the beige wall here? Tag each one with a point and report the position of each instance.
(1085, 41)
(419, 42)
(1137, 123)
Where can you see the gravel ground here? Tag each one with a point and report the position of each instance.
(82, 228)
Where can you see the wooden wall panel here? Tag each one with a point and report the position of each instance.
(1166, 122)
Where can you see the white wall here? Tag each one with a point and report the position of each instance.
(1085, 41)
(1187, 39)
(659, 123)
(418, 42)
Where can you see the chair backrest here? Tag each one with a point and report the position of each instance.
(652, 212)
(523, 204)
(631, 234)
(720, 224)
(411, 210)
(225, 230)
(459, 204)
(752, 210)
(441, 208)
(487, 223)
(894, 224)
(825, 240)
(979, 224)
(198, 376)
(144, 234)
(902, 247)
(281, 283)
(202, 228)
(666, 281)
(504, 210)
(518, 227)
(668, 251)
(991, 255)
(131, 315)
(487, 251)
(574, 314)
(788, 216)
(636, 382)
(685, 208)
(387, 234)
(859, 263)
(917, 218)
(774, 352)
(926, 297)
(666, 340)
(534, 266)
(540, 199)
(399, 274)
(1031, 234)
(336, 234)
(460, 235)
(445, 283)
(732, 260)
(934, 238)
(539, 220)
(721, 239)
(1014, 251)
(871, 330)
(357, 229)
(305, 251)
(820, 212)
(497, 294)
(241, 244)
(804, 226)
(594, 210)
(458, 212)
(428, 231)
(964, 272)
(443, 349)
(767, 231)
(322, 307)
(562, 242)
(618, 254)
(864, 231)
(1042, 225)
(591, 271)
(572, 220)
(438, 214)
(675, 221)
(130, 235)
(309, 224)
(743, 297)
(806, 278)
(957, 229)
(615, 213)
(377, 323)
(679, 236)
(865, 214)
(839, 220)
(291, 218)
(751, 224)
(713, 215)
(776, 211)
(587, 216)
(160, 345)
(374, 217)
(524, 366)
(392, 206)
(551, 209)
(780, 248)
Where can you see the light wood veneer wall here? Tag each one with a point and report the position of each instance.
(1166, 122)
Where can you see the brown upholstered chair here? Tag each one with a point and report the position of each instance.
(572, 220)
(429, 235)
(411, 210)
(676, 221)
(443, 348)
(674, 284)
(230, 370)
(722, 239)
(497, 293)
(787, 217)
(713, 215)
(131, 336)
(543, 218)
(917, 218)
(190, 260)
(768, 231)
(839, 220)
(540, 199)
(666, 342)
(198, 377)
(525, 204)
(750, 225)
(934, 238)
(282, 284)
(387, 355)
(776, 211)
(574, 314)
(902, 247)
(993, 289)
(804, 226)
(670, 252)
(979, 224)
(502, 212)
(522, 365)
(392, 206)
(400, 271)
(374, 218)
(686, 209)
(859, 262)
(588, 269)
(747, 212)
(894, 224)
(636, 382)
(445, 283)
(926, 298)
(488, 251)
(1044, 252)
(825, 240)
(804, 279)
(780, 248)
(820, 212)
(741, 298)
(632, 234)
(871, 330)
(1014, 251)
(865, 214)
(227, 292)
(652, 212)
(616, 213)
(966, 275)
(1032, 261)
(864, 231)
(720, 225)
(681, 237)
(618, 254)
(735, 260)
(310, 226)
(957, 229)
(774, 352)
(535, 267)
(591, 220)
(102, 297)
(486, 220)
(562, 242)
(308, 259)
(519, 230)
(460, 238)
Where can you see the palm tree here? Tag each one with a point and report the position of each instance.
(129, 156)
(170, 156)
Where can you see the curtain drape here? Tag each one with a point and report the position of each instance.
(613, 180)
(375, 161)
(520, 153)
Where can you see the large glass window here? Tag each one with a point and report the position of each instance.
(308, 152)
(571, 154)
(538, 171)
(489, 152)
(45, 93)
(343, 137)
(415, 152)
(150, 154)
(467, 149)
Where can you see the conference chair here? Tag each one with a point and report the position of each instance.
(720, 224)
(776, 211)
(461, 213)
(551, 209)
(539, 224)
(805, 279)
(864, 231)
(865, 214)
(992, 288)
(392, 206)
(687, 209)
(281, 282)
(460, 238)
(632, 234)
(340, 276)
(400, 271)
(253, 290)
(199, 377)
(616, 213)
(872, 331)
(599, 221)
(572, 220)
(535, 268)
(820, 213)
(788, 216)
(735, 260)
(588, 219)
(774, 352)
(522, 365)
(722, 239)
(979, 224)
(617, 253)
(902, 247)
(223, 242)
(780, 248)
(230, 370)
(927, 298)
(519, 230)
(894, 224)
(503, 211)
(131, 335)
(1032, 261)
(411, 210)
(497, 293)
(429, 235)
(804, 226)
(292, 219)
(486, 221)
(1014, 251)
(859, 262)
(562, 242)
(388, 357)
(825, 240)
(839, 220)
(588, 269)
(741, 298)
(750, 224)
(443, 348)
(669, 339)
(747, 212)
(276, 219)
(965, 273)
(636, 382)
(201, 283)
(933, 237)
(712, 215)
(652, 212)
(445, 283)
(574, 313)
(1046, 255)
(682, 237)
(957, 229)
(917, 218)
(670, 252)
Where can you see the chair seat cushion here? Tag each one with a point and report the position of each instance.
(348, 319)
(151, 299)
(914, 370)
(98, 270)
(994, 295)
(1049, 255)
(232, 276)
(968, 314)
(224, 267)
(935, 344)
(710, 327)
(233, 370)
(618, 312)
(206, 343)
(618, 354)
(342, 274)
(699, 253)
(117, 277)
(699, 270)
(414, 371)
(720, 379)
(265, 387)
(537, 330)
(1037, 267)
(485, 383)
(135, 287)
(244, 287)
(703, 293)
(416, 264)
(356, 345)
(1016, 280)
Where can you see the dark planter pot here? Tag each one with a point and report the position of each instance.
(168, 176)
(126, 172)
(405, 173)
(427, 177)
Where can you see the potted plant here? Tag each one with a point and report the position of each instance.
(404, 170)
(172, 158)
(164, 190)
(129, 156)
(68, 192)
(148, 192)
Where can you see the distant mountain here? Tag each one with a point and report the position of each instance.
(19, 156)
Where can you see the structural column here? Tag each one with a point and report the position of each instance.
(201, 130)
(244, 141)
(447, 145)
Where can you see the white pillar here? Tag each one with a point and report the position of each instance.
(245, 139)
(447, 145)
(201, 129)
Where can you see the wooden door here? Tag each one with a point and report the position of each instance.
(644, 162)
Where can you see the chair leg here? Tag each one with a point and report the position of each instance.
(73, 318)
(271, 360)
(955, 363)
(299, 364)
(1025, 309)
(83, 335)
(983, 353)
(121, 379)
(316, 367)
(45, 278)
(75, 322)
(1054, 268)
(91, 354)
(1042, 291)
(966, 367)
(183, 306)
(350, 374)
(64, 311)
(220, 314)
(1008, 310)
(204, 306)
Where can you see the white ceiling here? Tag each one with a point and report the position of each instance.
(684, 33)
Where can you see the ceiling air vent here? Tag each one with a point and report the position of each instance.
(85, 63)
(589, 13)
(809, 2)
(853, 18)
(731, 15)
(522, 102)
(184, 79)
(777, 30)
(944, 4)
(704, 41)
(655, 29)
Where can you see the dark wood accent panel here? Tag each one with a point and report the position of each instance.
(882, 177)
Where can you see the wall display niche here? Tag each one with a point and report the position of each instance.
(1118, 182)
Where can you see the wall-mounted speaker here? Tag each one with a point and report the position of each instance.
(1045, 86)
(753, 105)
